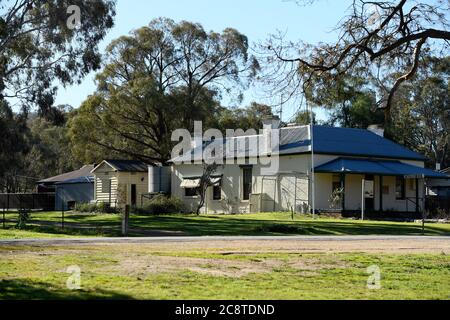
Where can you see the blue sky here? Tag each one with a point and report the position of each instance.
(254, 18)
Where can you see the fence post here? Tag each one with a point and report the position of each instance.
(62, 217)
(4, 217)
(125, 218)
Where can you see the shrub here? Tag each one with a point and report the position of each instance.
(24, 217)
(95, 208)
(162, 205)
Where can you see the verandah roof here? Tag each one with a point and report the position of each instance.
(377, 167)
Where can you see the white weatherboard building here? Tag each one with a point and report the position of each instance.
(343, 159)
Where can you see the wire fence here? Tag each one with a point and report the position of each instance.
(30, 201)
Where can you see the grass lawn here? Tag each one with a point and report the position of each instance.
(146, 272)
(49, 225)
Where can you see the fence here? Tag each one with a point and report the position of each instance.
(30, 201)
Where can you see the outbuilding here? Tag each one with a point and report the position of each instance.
(74, 191)
(120, 182)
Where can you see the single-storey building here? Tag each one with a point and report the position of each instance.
(74, 191)
(69, 188)
(120, 182)
(48, 185)
(336, 161)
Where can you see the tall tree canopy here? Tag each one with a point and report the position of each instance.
(39, 45)
(421, 112)
(376, 39)
(159, 78)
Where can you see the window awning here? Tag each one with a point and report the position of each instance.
(190, 183)
(194, 182)
(377, 167)
(216, 181)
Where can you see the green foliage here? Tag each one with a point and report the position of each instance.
(420, 117)
(242, 118)
(24, 217)
(95, 208)
(162, 205)
(133, 114)
(38, 47)
(13, 144)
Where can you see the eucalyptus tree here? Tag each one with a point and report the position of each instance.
(158, 78)
(43, 42)
(375, 39)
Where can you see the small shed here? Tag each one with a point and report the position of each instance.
(119, 181)
(74, 191)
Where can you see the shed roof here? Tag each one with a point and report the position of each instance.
(85, 171)
(80, 180)
(376, 167)
(125, 165)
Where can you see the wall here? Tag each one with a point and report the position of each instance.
(105, 174)
(126, 179)
(278, 193)
(79, 193)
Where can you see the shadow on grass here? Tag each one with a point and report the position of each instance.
(204, 225)
(22, 289)
(210, 225)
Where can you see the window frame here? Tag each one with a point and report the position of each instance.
(247, 172)
(106, 185)
(187, 193)
(217, 193)
(400, 182)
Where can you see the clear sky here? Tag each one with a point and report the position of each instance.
(254, 18)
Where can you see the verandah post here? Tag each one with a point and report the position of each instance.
(381, 194)
(343, 192)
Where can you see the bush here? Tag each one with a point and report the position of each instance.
(24, 217)
(95, 208)
(162, 205)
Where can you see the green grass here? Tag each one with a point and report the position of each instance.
(124, 272)
(208, 225)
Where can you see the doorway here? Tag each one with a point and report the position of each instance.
(369, 204)
(133, 195)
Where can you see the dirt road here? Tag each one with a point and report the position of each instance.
(243, 245)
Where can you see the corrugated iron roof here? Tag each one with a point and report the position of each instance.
(128, 165)
(85, 171)
(327, 140)
(87, 179)
(376, 167)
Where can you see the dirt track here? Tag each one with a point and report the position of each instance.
(242, 245)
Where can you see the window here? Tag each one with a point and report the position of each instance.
(247, 182)
(190, 192)
(106, 186)
(412, 184)
(386, 190)
(336, 182)
(217, 193)
(400, 188)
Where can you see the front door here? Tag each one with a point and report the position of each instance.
(133, 195)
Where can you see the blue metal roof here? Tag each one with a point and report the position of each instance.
(358, 142)
(376, 167)
(327, 140)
